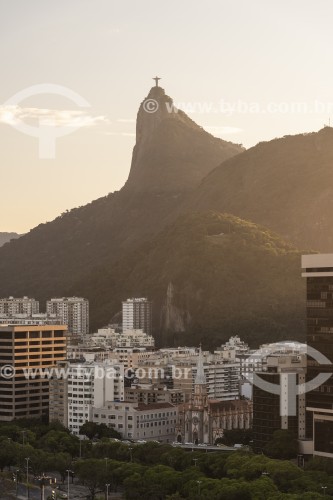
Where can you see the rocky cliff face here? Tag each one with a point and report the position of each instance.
(173, 318)
(172, 153)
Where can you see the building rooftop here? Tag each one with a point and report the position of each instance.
(35, 328)
(153, 406)
(317, 265)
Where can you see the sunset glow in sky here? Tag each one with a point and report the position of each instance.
(245, 71)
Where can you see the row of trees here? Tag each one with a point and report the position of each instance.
(159, 471)
(236, 476)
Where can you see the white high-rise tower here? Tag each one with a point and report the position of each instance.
(73, 311)
(137, 315)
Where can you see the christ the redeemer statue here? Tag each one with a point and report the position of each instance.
(157, 78)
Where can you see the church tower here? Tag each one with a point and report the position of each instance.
(199, 399)
(198, 409)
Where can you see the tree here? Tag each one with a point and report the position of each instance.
(233, 436)
(8, 453)
(133, 487)
(93, 430)
(283, 445)
(59, 441)
(89, 429)
(160, 481)
(262, 488)
(243, 465)
(89, 473)
(283, 473)
(174, 496)
(61, 463)
(40, 461)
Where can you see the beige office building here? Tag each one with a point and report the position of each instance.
(25, 351)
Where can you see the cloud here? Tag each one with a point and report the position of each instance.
(218, 131)
(126, 120)
(13, 115)
(123, 134)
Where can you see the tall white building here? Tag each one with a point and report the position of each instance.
(12, 306)
(84, 386)
(73, 312)
(137, 315)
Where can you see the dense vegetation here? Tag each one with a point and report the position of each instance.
(284, 184)
(211, 276)
(156, 472)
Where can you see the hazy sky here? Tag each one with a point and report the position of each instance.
(246, 71)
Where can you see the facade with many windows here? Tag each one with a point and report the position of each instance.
(86, 384)
(139, 421)
(137, 315)
(73, 312)
(283, 409)
(27, 354)
(318, 271)
(12, 306)
(151, 393)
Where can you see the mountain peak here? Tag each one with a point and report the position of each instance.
(156, 92)
(172, 153)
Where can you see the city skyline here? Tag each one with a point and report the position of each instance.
(166, 250)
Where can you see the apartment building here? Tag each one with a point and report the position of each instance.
(58, 411)
(130, 357)
(137, 315)
(23, 350)
(109, 338)
(151, 393)
(73, 312)
(11, 306)
(30, 319)
(179, 372)
(86, 384)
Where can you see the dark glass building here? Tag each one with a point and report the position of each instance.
(267, 416)
(318, 271)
